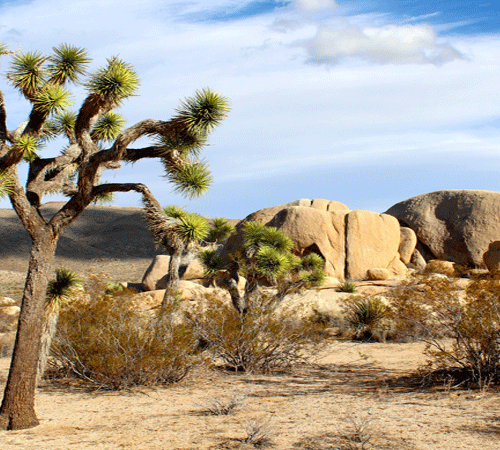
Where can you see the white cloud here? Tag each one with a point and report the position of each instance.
(314, 5)
(389, 44)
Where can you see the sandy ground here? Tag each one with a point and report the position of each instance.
(319, 406)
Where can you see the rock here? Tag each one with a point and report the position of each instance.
(491, 257)
(337, 206)
(407, 244)
(452, 225)
(378, 274)
(315, 231)
(156, 274)
(9, 315)
(6, 301)
(437, 266)
(372, 241)
(418, 260)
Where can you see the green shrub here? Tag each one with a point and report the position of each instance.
(367, 315)
(261, 340)
(435, 308)
(106, 340)
(348, 286)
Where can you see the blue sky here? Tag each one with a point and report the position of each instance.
(367, 103)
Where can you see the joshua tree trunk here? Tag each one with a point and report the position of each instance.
(17, 410)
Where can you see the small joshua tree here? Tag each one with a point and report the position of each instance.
(265, 259)
(97, 141)
(184, 243)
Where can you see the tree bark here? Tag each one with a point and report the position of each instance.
(17, 410)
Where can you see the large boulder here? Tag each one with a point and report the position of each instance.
(155, 276)
(452, 225)
(351, 242)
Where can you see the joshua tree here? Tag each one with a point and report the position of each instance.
(265, 259)
(96, 142)
(60, 290)
(183, 245)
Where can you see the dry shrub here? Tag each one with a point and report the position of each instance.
(461, 329)
(368, 317)
(261, 340)
(105, 339)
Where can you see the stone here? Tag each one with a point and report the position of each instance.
(437, 266)
(407, 244)
(337, 206)
(320, 203)
(156, 275)
(315, 231)
(491, 257)
(378, 274)
(372, 241)
(452, 225)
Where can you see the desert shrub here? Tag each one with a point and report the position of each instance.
(261, 340)
(461, 329)
(368, 317)
(348, 286)
(105, 339)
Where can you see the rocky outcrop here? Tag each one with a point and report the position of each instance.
(453, 225)
(156, 275)
(351, 242)
(491, 257)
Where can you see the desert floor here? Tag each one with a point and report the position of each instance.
(353, 389)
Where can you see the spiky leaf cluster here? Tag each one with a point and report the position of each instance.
(67, 64)
(212, 262)
(52, 99)
(258, 235)
(184, 143)
(106, 198)
(4, 49)
(204, 111)
(271, 263)
(65, 122)
(174, 211)
(192, 227)
(63, 287)
(6, 184)
(115, 82)
(190, 180)
(27, 72)
(27, 145)
(220, 230)
(108, 127)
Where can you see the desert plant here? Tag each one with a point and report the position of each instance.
(107, 341)
(257, 433)
(366, 315)
(265, 259)
(95, 142)
(260, 341)
(63, 288)
(223, 406)
(461, 329)
(348, 286)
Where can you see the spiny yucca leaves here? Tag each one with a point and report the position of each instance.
(212, 262)
(4, 49)
(257, 234)
(312, 262)
(27, 145)
(174, 211)
(108, 127)
(314, 278)
(220, 230)
(6, 184)
(192, 228)
(185, 144)
(52, 99)
(107, 198)
(65, 122)
(27, 72)
(368, 311)
(115, 82)
(191, 180)
(49, 131)
(271, 262)
(67, 64)
(204, 111)
(62, 288)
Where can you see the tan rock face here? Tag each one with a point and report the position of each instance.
(156, 274)
(315, 231)
(407, 244)
(454, 225)
(491, 257)
(378, 274)
(372, 241)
